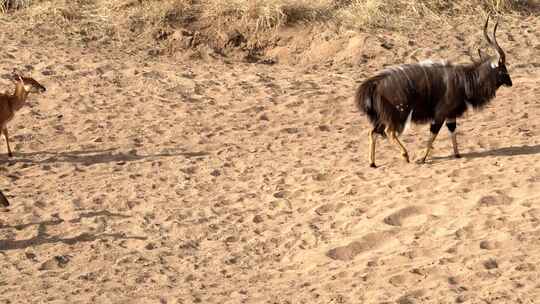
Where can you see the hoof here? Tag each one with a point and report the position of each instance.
(372, 165)
(421, 161)
(457, 155)
(406, 158)
(10, 154)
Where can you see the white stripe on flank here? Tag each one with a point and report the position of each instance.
(407, 123)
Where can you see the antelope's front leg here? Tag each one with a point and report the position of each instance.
(434, 130)
(5, 131)
(452, 125)
(372, 142)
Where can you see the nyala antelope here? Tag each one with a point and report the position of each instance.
(435, 92)
(11, 103)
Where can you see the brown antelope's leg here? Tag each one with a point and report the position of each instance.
(434, 129)
(451, 125)
(454, 144)
(372, 141)
(428, 148)
(393, 136)
(3, 200)
(404, 152)
(5, 131)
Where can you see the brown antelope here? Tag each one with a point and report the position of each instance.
(11, 103)
(435, 92)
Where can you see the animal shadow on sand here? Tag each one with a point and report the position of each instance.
(92, 157)
(43, 237)
(506, 151)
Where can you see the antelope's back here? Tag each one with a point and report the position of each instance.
(416, 87)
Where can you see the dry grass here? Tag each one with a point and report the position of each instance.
(262, 15)
(271, 14)
(6, 5)
(403, 15)
(143, 22)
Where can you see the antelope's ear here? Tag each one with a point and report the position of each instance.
(16, 75)
(483, 56)
(15, 78)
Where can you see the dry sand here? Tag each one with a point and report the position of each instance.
(140, 179)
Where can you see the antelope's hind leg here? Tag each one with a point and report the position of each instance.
(372, 142)
(434, 130)
(392, 135)
(372, 136)
(5, 132)
(452, 125)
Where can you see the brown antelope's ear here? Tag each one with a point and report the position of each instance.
(495, 63)
(16, 75)
(16, 78)
(16, 71)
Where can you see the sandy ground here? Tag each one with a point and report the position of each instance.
(142, 179)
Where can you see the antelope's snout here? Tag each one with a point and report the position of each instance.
(507, 81)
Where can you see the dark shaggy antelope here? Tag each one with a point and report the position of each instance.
(435, 92)
(10, 103)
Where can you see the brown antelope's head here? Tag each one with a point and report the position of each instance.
(29, 84)
(498, 63)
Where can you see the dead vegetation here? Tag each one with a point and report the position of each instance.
(263, 15)
(7, 5)
(165, 26)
